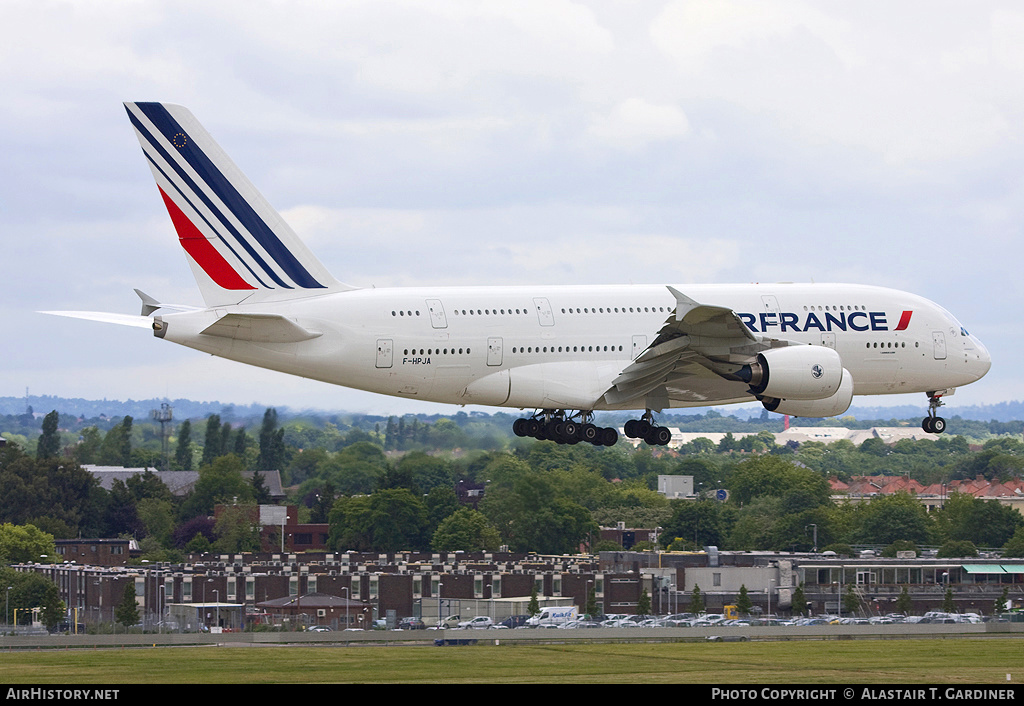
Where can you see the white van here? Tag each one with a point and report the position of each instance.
(553, 615)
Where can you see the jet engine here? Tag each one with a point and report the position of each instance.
(831, 406)
(795, 373)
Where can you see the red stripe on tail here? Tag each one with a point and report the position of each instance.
(202, 251)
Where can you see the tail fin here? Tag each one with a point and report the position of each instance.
(237, 244)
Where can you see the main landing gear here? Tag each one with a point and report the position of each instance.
(645, 428)
(555, 425)
(934, 424)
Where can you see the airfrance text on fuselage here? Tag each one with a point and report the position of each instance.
(839, 321)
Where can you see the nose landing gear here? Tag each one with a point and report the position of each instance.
(934, 424)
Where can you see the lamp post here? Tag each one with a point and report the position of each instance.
(345, 589)
(7, 608)
(205, 613)
(216, 597)
(160, 604)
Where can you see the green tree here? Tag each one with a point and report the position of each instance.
(157, 518)
(888, 518)
(532, 515)
(986, 523)
(260, 491)
(55, 495)
(127, 611)
(1014, 547)
(533, 607)
(591, 608)
(48, 445)
(841, 549)
(900, 545)
(999, 606)
(696, 601)
(948, 605)
(30, 590)
(904, 604)
(22, 544)
(465, 530)
(238, 529)
(213, 442)
(643, 606)
(88, 447)
(799, 600)
(702, 522)
(777, 477)
(956, 548)
(272, 449)
(219, 482)
(121, 517)
(851, 601)
(743, 603)
(183, 451)
(398, 520)
(116, 449)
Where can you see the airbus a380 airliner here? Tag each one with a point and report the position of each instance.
(562, 351)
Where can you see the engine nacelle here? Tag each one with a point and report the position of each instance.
(831, 406)
(795, 373)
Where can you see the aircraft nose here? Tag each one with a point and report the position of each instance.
(981, 361)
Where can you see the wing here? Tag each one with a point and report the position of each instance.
(690, 361)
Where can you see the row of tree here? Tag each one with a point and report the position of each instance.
(776, 505)
(538, 496)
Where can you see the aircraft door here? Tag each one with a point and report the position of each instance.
(544, 313)
(385, 352)
(494, 350)
(939, 345)
(437, 317)
(639, 346)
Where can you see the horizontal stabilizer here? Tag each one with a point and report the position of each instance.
(120, 319)
(260, 328)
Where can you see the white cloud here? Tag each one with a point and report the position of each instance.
(636, 123)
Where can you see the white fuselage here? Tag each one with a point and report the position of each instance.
(561, 347)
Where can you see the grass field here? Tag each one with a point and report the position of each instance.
(933, 661)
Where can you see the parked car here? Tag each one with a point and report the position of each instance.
(452, 621)
(514, 621)
(411, 624)
(319, 628)
(479, 622)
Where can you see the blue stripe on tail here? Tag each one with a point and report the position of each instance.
(228, 195)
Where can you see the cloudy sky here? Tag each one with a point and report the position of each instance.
(530, 141)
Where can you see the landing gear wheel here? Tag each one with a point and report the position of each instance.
(662, 435)
(609, 436)
(658, 436)
(938, 425)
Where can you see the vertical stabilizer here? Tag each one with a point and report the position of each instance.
(239, 247)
